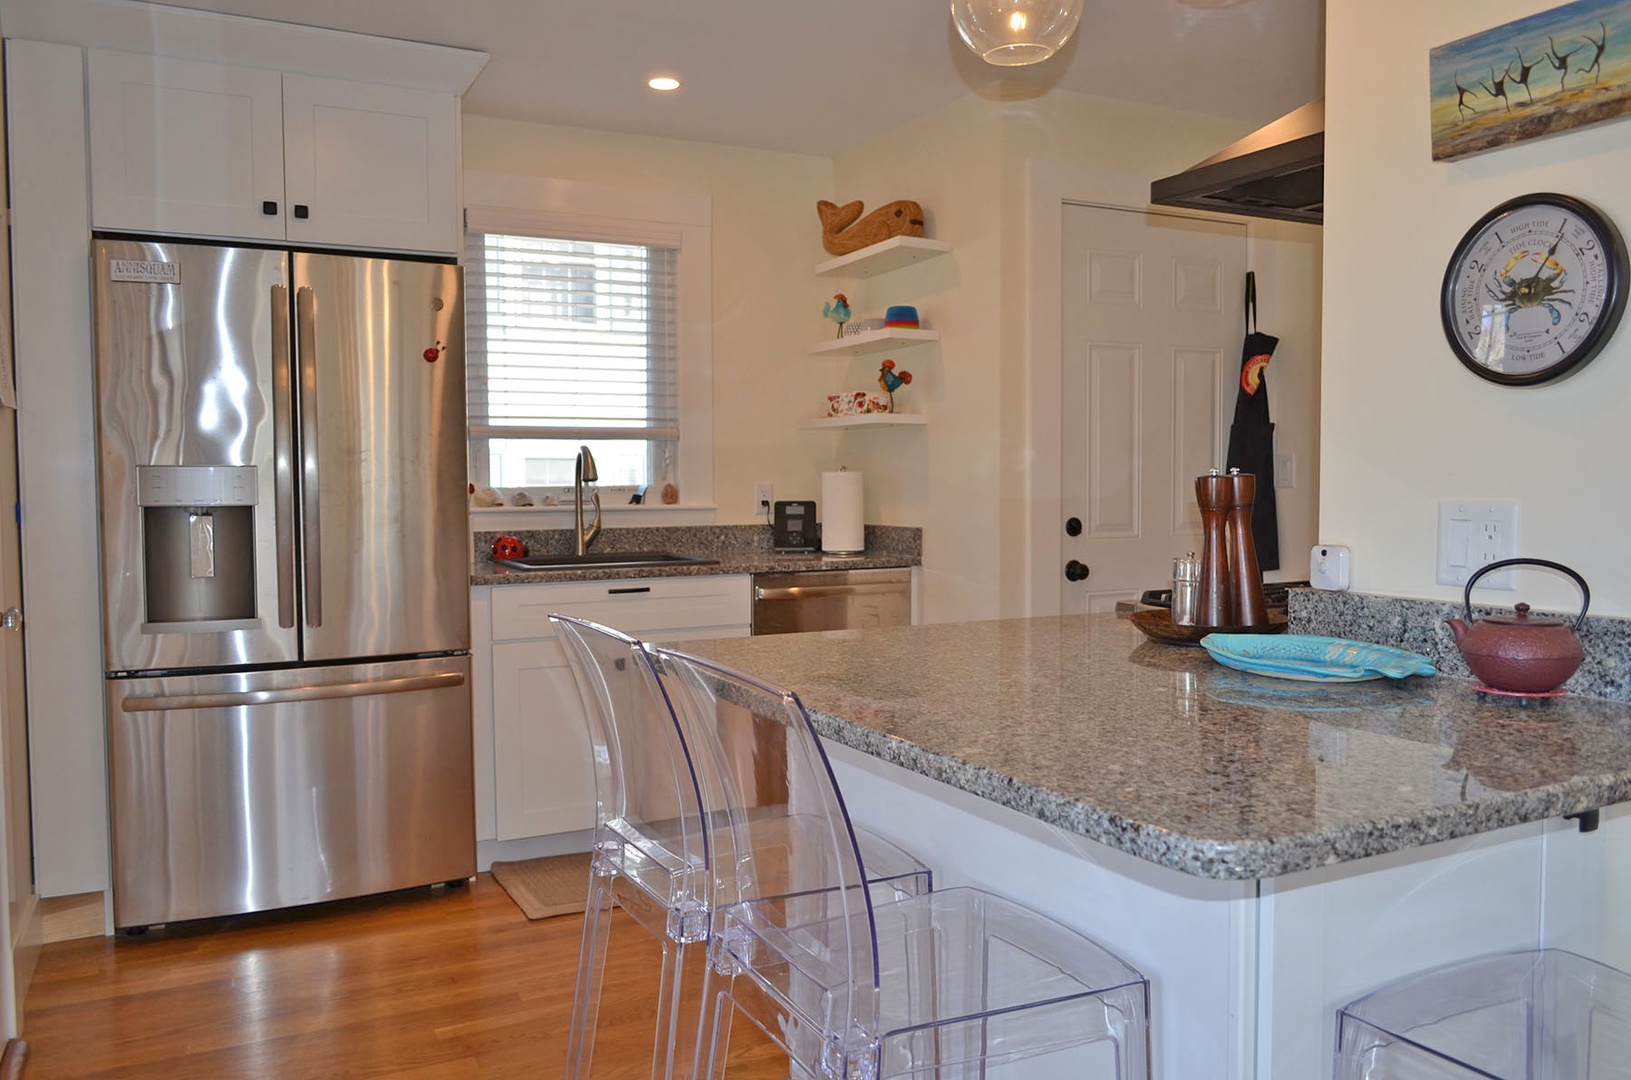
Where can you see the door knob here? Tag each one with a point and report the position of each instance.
(1073, 526)
(1076, 571)
(12, 619)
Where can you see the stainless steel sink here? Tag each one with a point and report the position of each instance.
(602, 560)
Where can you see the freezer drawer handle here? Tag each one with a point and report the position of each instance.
(441, 681)
(816, 592)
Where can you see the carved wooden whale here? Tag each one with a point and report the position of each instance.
(844, 230)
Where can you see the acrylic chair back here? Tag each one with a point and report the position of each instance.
(650, 848)
(789, 879)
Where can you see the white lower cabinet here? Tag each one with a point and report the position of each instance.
(542, 779)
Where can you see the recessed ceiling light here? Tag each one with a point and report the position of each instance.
(664, 82)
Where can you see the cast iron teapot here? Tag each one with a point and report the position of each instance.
(1520, 653)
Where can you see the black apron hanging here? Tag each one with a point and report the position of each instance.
(1251, 436)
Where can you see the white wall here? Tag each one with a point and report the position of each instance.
(1403, 423)
(946, 476)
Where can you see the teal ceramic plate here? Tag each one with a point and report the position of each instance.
(1314, 659)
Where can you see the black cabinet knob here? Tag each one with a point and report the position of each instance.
(301, 210)
(1073, 526)
(1076, 571)
(269, 208)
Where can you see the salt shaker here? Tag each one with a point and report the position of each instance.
(1186, 589)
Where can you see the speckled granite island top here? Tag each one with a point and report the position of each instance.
(1159, 752)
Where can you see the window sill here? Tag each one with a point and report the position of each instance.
(501, 518)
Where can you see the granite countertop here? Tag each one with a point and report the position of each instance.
(740, 549)
(1159, 752)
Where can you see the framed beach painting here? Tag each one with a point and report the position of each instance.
(1552, 71)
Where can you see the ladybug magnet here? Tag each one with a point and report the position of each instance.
(509, 547)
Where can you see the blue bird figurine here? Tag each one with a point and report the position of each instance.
(837, 310)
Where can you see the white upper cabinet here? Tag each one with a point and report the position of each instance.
(201, 149)
(370, 166)
(179, 146)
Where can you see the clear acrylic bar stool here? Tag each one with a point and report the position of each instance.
(651, 852)
(1537, 1015)
(952, 984)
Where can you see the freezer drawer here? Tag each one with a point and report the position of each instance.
(243, 792)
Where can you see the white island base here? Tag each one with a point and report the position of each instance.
(1246, 976)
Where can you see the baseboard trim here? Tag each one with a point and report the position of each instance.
(531, 847)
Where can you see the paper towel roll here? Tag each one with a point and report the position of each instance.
(843, 525)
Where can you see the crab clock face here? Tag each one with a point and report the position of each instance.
(1534, 290)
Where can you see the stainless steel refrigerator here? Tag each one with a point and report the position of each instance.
(285, 576)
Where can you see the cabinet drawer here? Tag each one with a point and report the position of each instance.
(634, 605)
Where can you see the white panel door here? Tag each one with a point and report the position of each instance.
(1151, 339)
(370, 166)
(184, 147)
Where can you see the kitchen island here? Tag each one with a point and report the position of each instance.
(1263, 850)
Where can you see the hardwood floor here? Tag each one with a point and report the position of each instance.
(443, 983)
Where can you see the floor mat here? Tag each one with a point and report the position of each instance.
(542, 888)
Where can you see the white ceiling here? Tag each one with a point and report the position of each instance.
(823, 76)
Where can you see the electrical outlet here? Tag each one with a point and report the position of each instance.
(1473, 534)
(764, 494)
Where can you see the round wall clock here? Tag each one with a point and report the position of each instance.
(1534, 290)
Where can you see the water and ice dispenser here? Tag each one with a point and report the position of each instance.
(198, 544)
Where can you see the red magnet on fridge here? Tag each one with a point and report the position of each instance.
(433, 353)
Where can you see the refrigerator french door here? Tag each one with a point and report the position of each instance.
(285, 551)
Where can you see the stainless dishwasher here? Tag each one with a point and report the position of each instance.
(831, 600)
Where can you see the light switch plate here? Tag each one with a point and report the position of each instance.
(1328, 567)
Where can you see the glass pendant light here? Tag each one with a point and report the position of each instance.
(1010, 33)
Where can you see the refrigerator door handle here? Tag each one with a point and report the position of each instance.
(408, 684)
(283, 454)
(306, 328)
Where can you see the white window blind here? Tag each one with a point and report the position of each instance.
(570, 339)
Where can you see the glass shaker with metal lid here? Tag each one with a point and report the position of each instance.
(1186, 589)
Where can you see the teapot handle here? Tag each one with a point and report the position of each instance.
(1585, 593)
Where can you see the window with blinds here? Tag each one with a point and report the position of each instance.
(570, 342)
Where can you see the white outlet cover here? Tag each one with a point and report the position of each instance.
(1473, 534)
(1328, 567)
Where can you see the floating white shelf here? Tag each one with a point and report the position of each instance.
(882, 257)
(871, 341)
(866, 420)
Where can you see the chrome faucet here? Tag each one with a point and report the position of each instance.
(584, 473)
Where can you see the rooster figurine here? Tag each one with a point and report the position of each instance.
(892, 380)
(837, 310)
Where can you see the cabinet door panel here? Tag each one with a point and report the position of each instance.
(543, 777)
(184, 147)
(375, 166)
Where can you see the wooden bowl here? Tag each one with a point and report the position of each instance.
(1157, 625)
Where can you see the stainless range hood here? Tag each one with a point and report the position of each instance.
(1277, 171)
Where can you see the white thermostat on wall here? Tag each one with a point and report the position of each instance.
(1328, 567)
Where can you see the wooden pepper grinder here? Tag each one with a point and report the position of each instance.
(1245, 579)
(1212, 494)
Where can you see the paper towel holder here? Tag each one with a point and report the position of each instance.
(842, 508)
